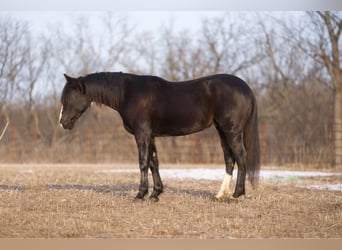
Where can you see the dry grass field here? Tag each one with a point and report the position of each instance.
(79, 202)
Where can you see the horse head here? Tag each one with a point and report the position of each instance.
(74, 102)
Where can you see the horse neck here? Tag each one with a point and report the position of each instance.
(105, 89)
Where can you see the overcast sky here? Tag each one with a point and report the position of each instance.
(149, 14)
(41, 21)
(171, 5)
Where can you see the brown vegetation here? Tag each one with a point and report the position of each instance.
(78, 201)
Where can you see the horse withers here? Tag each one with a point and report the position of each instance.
(151, 106)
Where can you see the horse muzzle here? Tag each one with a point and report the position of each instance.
(66, 125)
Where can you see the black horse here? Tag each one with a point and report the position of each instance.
(151, 106)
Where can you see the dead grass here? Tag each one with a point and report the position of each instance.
(78, 202)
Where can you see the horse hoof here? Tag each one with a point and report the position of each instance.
(233, 199)
(138, 200)
(238, 193)
(153, 199)
(216, 199)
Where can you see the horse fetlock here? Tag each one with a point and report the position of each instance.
(156, 192)
(238, 192)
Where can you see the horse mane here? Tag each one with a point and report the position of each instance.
(102, 87)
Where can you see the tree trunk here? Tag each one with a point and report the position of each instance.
(338, 128)
(331, 60)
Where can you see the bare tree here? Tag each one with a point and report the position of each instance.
(115, 42)
(328, 50)
(292, 96)
(92, 46)
(322, 42)
(13, 55)
(20, 66)
(229, 43)
(223, 45)
(144, 55)
(182, 57)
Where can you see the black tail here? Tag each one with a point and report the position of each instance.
(252, 144)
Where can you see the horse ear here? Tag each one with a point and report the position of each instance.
(69, 79)
(76, 83)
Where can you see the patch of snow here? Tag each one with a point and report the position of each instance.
(218, 174)
(334, 187)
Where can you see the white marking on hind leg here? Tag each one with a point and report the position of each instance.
(224, 190)
(60, 116)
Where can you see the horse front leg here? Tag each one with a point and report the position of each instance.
(154, 166)
(143, 144)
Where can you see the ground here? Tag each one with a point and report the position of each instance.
(79, 201)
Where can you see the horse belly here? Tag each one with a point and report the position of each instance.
(180, 123)
(182, 110)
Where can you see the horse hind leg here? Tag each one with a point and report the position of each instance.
(240, 154)
(233, 140)
(229, 161)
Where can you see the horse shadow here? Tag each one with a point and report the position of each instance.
(197, 193)
(123, 190)
(126, 190)
(115, 190)
(15, 187)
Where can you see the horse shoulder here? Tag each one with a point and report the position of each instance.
(136, 106)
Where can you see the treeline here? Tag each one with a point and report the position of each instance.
(278, 54)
